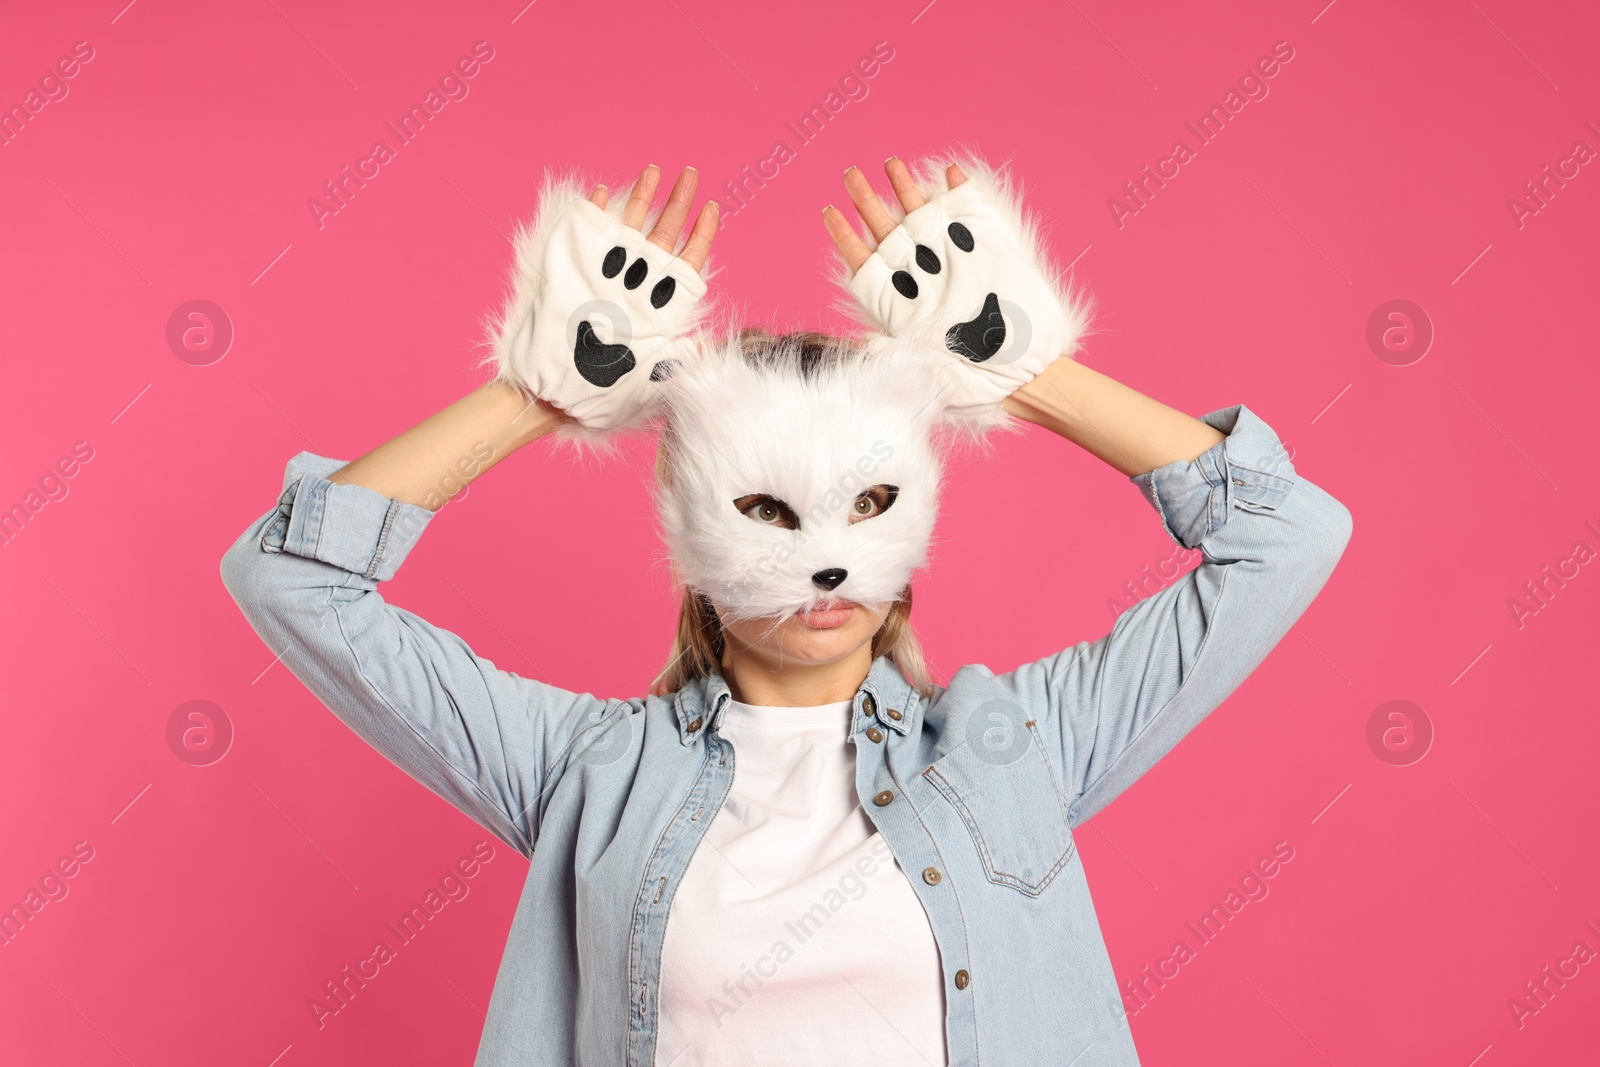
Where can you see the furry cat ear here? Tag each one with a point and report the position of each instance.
(945, 381)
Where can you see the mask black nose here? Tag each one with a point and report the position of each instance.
(829, 579)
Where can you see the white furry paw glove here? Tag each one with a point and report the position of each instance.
(965, 274)
(597, 315)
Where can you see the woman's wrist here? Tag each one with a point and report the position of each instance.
(531, 418)
(1047, 400)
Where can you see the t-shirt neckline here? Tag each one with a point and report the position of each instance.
(779, 718)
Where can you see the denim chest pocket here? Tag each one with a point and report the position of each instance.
(1007, 796)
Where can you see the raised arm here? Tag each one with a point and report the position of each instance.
(1269, 540)
(306, 576)
(962, 269)
(306, 573)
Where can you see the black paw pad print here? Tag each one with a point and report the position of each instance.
(980, 337)
(599, 363)
(612, 265)
(602, 364)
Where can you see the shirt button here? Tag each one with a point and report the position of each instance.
(895, 715)
(869, 705)
(931, 875)
(884, 799)
(695, 725)
(874, 734)
(963, 979)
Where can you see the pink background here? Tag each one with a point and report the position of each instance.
(220, 898)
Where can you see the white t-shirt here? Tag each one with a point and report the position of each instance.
(795, 939)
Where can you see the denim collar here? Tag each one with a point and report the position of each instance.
(700, 704)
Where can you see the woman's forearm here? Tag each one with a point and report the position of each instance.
(1122, 426)
(440, 456)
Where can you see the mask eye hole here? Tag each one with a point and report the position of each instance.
(873, 501)
(767, 510)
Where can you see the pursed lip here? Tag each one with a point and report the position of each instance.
(827, 615)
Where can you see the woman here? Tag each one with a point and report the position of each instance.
(797, 849)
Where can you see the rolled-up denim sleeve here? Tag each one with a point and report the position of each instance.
(1107, 710)
(306, 577)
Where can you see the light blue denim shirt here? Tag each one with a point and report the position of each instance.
(984, 782)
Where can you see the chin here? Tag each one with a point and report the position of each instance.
(794, 640)
(825, 646)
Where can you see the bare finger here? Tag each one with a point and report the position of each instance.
(670, 224)
(850, 244)
(644, 194)
(867, 204)
(954, 175)
(705, 228)
(906, 189)
(600, 197)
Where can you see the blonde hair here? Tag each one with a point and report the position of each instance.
(699, 642)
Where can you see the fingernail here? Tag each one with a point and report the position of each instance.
(714, 206)
(825, 209)
(890, 160)
(695, 169)
(600, 188)
(850, 168)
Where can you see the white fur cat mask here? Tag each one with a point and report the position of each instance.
(800, 477)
